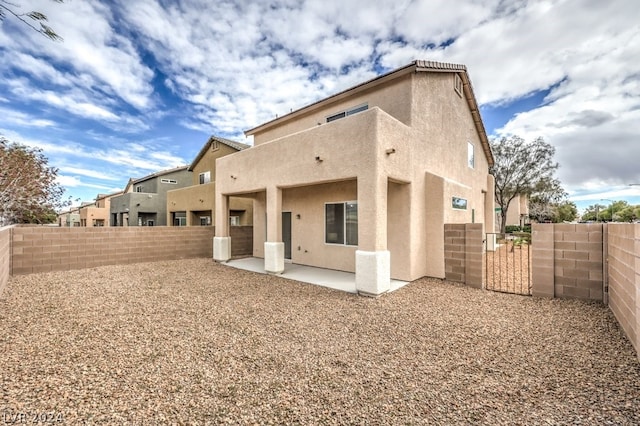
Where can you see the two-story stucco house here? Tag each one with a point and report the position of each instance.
(194, 205)
(144, 201)
(364, 180)
(98, 212)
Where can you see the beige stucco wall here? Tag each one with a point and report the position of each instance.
(199, 200)
(393, 192)
(518, 207)
(208, 161)
(391, 97)
(91, 213)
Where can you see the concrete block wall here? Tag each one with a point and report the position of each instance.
(463, 253)
(542, 260)
(623, 272)
(5, 257)
(454, 248)
(43, 249)
(568, 261)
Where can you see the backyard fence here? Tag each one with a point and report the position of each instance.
(32, 249)
(594, 262)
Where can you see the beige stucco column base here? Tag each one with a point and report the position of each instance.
(373, 272)
(274, 257)
(221, 249)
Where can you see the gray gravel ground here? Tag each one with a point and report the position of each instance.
(194, 342)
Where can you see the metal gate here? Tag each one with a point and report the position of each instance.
(508, 263)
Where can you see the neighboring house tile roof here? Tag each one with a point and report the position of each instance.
(415, 66)
(232, 144)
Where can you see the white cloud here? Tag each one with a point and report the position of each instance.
(86, 172)
(233, 65)
(17, 118)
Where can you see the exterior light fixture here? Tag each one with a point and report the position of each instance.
(319, 159)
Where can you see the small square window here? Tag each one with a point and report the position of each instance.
(204, 178)
(458, 203)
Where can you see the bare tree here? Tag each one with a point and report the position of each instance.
(35, 20)
(29, 192)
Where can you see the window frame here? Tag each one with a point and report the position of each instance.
(204, 177)
(170, 181)
(457, 84)
(345, 233)
(471, 155)
(457, 203)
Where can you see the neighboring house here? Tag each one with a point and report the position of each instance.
(365, 180)
(518, 211)
(69, 218)
(194, 205)
(98, 212)
(144, 201)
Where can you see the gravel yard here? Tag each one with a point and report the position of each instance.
(194, 342)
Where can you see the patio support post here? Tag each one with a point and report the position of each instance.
(222, 241)
(373, 260)
(274, 247)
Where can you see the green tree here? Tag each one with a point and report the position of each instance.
(546, 197)
(31, 19)
(520, 168)
(567, 211)
(615, 208)
(627, 214)
(592, 213)
(29, 192)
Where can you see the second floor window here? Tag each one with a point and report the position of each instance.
(471, 157)
(139, 188)
(204, 177)
(351, 111)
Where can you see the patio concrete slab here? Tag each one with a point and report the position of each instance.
(338, 280)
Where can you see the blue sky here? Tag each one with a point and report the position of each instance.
(138, 86)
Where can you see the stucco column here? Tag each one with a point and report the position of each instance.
(434, 226)
(222, 241)
(373, 260)
(274, 247)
